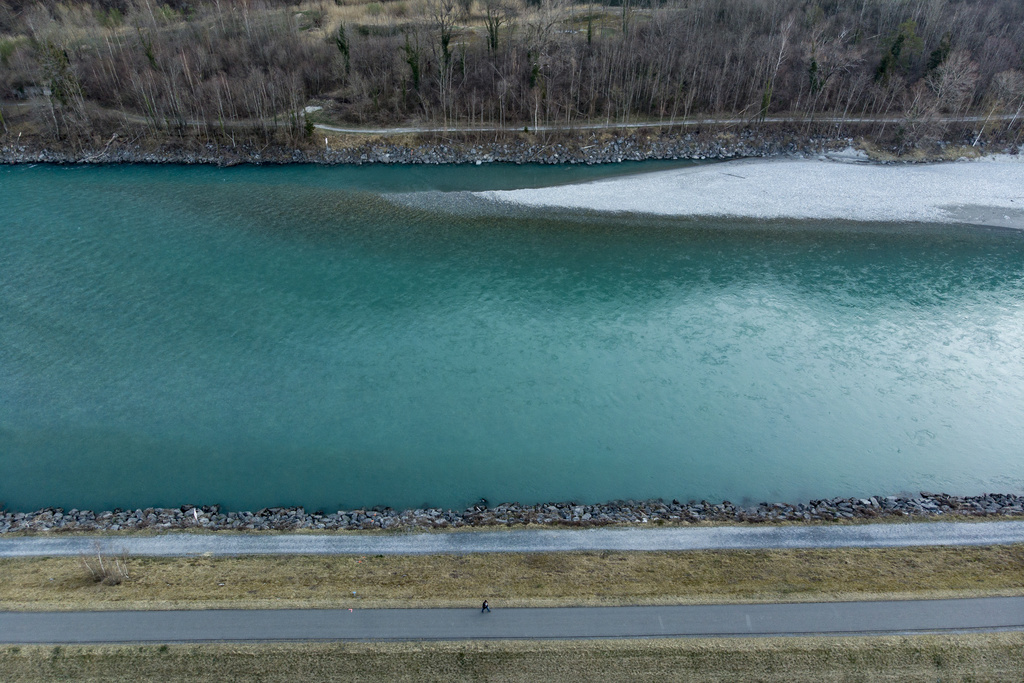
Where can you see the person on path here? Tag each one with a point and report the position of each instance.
(485, 608)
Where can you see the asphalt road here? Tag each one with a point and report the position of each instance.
(525, 540)
(836, 618)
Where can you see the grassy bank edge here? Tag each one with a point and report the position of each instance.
(588, 578)
(974, 656)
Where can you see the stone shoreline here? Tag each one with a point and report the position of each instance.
(590, 149)
(657, 512)
(565, 148)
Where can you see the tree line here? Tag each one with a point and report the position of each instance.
(206, 67)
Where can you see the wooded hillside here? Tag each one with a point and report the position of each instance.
(201, 68)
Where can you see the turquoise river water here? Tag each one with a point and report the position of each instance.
(359, 336)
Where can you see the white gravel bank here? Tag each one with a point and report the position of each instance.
(987, 191)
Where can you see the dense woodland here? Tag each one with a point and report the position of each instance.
(198, 67)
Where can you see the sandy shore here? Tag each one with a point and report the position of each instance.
(987, 191)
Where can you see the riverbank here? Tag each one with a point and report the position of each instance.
(468, 147)
(463, 148)
(567, 514)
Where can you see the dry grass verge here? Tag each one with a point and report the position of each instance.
(877, 152)
(518, 579)
(982, 657)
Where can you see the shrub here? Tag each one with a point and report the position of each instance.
(7, 48)
(111, 18)
(110, 571)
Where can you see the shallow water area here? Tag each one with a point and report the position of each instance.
(298, 336)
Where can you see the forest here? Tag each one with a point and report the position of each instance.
(80, 69)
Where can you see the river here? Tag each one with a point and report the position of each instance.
(340, 337)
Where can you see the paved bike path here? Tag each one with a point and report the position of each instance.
(525, 540)
(836, 618)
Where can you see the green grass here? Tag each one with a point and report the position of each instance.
(8, 45)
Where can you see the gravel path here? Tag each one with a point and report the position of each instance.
(611, 125)
(838, 618)
(527, 540)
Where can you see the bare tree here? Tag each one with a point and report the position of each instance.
(497, 13)
(67, 100)
(769, 88)
(954, 82)
(444, 15)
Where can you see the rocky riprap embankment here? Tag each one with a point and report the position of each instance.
(585, 150)
(553, 514)
(568, 149)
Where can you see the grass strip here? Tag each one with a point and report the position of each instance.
(982, 657)
(517, 579)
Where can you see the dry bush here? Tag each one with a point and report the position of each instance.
(106, 569)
